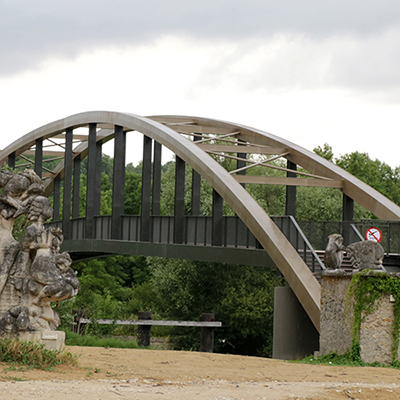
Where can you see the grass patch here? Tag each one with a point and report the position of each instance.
(73, 339)
(350, 358)
(13, 378)
(33, 355)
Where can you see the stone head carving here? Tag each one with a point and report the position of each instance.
(18, 191)
(40, 209)
(366, 255)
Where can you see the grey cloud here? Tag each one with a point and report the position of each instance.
(33, 31)
(368, 67)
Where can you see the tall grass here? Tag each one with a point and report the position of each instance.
(33, 355)
(73, 339)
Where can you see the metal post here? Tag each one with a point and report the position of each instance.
(145, 231)
(348, 217)
(144, 330)
(156, 195)
(207, 334)
(39, 157)
(77, 186)
(56, 199)
(241, 164)
(66, 218)
(217, 219)
(97, 196)
(179, 211)
(196, 188)
(291, 191)
(91, 183)
(11, 160)
(118, 196)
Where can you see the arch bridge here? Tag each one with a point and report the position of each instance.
(250, 237)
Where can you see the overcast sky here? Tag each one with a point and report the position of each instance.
(310, 71)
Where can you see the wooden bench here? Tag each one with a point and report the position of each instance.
(144, 323)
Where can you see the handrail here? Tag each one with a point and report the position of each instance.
(306, 242)
(357, 232)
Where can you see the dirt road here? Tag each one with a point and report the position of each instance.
(107, 374)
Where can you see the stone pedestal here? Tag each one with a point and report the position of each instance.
(335, 333)
(376, 332)
(52, 340)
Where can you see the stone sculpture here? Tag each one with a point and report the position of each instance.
(32, 273)
(366, 255)
(333, 256)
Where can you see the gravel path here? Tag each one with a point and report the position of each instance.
(107, 374)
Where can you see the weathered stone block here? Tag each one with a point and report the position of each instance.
(336, 321)
(52, 340)
(376, 333)
(376, 330)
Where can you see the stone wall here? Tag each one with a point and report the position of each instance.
(376, 334)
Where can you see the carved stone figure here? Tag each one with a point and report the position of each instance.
(366, 254)
(32, 274)
(18, 189)
(333, 256)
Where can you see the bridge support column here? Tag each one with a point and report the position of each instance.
(291, 191)
(118, 199)
(348, 217)
(295, 336)
(66, 218)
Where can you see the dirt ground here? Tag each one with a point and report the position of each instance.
(105, 374)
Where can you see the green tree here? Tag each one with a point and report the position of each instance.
(325, 151)
(375, 173)
(133, 193)
(240, 296)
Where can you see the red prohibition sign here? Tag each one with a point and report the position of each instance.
(374, 235)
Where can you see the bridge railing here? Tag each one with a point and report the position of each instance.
(293, 232)
(198, 231)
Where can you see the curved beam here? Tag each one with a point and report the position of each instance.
(353, 187)
(296, 272)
